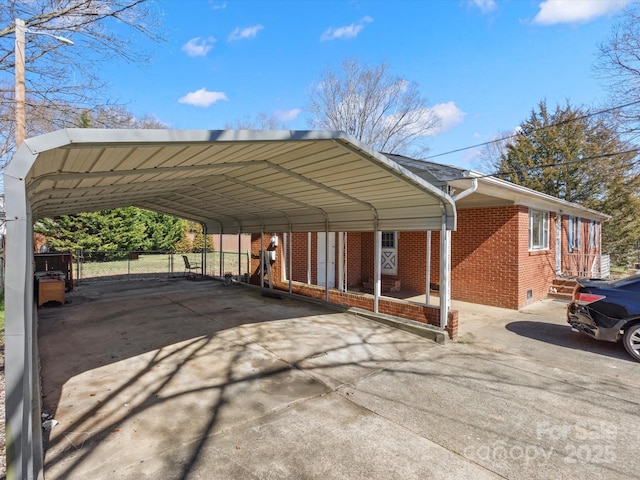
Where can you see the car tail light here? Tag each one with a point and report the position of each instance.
(582, 298)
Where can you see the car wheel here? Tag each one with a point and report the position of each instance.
(631, 341)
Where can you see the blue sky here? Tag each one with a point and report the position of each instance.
(483, 65)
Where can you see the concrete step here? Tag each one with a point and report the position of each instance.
(561, 295)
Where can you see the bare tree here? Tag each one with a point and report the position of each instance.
(61, 80)
(488, 156)
(618, 66)
(379, 109)
(261, 121)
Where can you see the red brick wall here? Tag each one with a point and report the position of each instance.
(366, 257)
(412, 260)
(484, 251)
(537, 267)
(354, 259)
(299, 254)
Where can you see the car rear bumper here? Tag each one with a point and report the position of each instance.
(579, 319)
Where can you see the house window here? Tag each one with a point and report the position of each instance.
(388, 239)
(538, 230)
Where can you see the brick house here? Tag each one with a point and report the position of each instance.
(509, 245)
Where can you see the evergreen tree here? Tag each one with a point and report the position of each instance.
(577, 157)
(163, 231)
(120, 229)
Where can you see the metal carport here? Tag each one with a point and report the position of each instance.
(230, 181)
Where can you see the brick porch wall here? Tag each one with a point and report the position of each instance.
(399, 308)
(389, 306)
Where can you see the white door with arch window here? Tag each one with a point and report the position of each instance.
(322, 260)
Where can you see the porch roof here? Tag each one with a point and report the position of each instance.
(491, 191)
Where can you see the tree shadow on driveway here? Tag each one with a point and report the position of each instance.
(563, 336)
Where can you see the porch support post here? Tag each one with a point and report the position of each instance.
(203, 256)
(309, 258)
(341, 261)
(346, 263)
(445, 272)
(220, 254)
(261, 258)
(377, 267)
(290, 262)
(326, 262)
(239, 255)
(428, 270)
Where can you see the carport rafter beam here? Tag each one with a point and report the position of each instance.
(42, 203)
(64, 176)
(190, 197)
(321, 186)
(175, 213)
(129, 185)
(251, 204)
(274, 194)
(164, 201)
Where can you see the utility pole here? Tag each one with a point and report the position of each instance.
(20, 126)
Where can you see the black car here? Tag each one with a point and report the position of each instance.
(608, 311)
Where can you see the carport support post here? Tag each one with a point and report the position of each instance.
(22, 400)
(445, 270)
(377, 267)
(428, 279)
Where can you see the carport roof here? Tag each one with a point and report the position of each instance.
(231, 181)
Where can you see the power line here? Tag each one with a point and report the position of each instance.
(561, 164)
(502, 139)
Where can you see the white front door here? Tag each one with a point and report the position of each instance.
(558, 243)
(389, 253)
(322, 261)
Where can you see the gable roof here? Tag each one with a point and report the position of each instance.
(491, 191)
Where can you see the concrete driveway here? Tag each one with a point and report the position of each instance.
(197, 380)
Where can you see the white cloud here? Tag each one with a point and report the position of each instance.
(576, 11)
(485, 6)
(203, 98)
(219, 6)
(450, 116)
(198, 47)
(350, 31)
(244, 33)
(287, 115)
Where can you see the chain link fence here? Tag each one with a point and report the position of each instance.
(129, 265)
